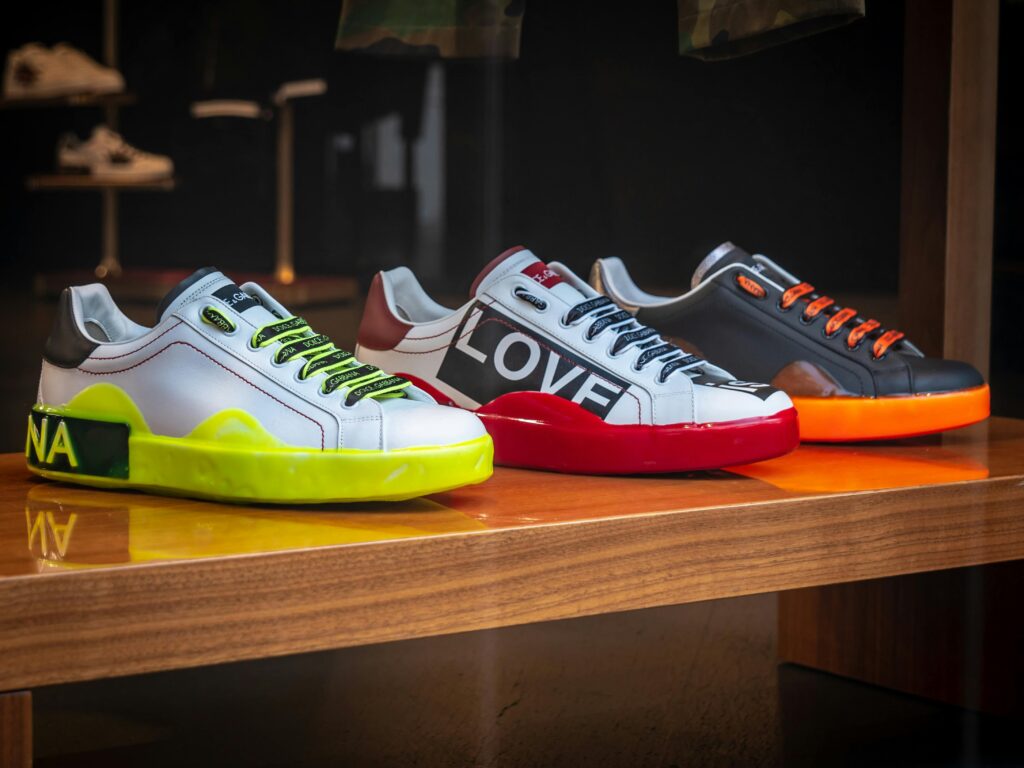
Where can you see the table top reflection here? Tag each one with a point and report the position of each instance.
(50, 527)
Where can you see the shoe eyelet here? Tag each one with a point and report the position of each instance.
(274, 361)
(827, 335)
(523, 294)
(215, 318)
(297, 376)
(804, 320)
(562, 322)
(781, 308)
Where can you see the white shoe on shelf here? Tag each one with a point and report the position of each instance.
(106, 156)
(36, 72)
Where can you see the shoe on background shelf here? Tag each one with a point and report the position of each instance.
(231, 397)
(566, 381)
(106, 156)
(36, 72)
(850, 377)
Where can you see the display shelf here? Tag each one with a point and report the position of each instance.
(77, 100)
(122, 583)
(70, 182)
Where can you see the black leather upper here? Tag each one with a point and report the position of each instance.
(67, 346)
(754, 339)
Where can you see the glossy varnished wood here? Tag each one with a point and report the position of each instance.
(16, 729)
(135, 583)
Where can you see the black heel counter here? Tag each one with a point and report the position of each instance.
(67, 346)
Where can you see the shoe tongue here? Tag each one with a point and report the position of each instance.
(524, 261)
(214, 284)
(722, 256)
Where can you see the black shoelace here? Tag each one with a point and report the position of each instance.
(605, 315)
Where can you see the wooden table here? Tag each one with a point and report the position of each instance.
(98, 584)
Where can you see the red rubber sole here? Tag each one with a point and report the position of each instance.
(540, 431)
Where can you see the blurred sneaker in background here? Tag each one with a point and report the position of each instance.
(107, 156)
(36, 72)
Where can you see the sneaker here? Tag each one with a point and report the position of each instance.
(36, 72)
(566, 381)
(850, 377)
(106, 156)
(232, 397)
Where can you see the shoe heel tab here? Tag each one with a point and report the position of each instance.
(606, 275)
(67, 345)
(595, 278)
(380, 328)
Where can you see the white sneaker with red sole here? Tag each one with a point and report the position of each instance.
(565, 380)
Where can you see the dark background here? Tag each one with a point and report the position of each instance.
(599, 140)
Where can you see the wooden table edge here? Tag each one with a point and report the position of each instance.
(167, 615)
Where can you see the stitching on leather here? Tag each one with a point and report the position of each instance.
(435, 336)
(476, 309)
(217, 362)
(137, 349)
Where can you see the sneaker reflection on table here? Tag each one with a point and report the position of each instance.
(840, 468)
(68, 527)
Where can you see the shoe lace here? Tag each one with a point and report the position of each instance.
(839, 317)
(341, 369)
(604, 315)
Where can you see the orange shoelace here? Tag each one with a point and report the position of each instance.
(839, 319)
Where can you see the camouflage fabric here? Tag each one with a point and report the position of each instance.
(724, 29)
(708, 29)
(446, 28)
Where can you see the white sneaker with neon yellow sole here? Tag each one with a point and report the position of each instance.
(232, 397)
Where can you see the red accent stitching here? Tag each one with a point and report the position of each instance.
(126, 354)
(233, 373)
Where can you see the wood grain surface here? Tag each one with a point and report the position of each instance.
(523, 547)
(16, 730)
(947, 199)
(970, 219)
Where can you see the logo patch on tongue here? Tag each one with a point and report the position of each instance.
(541, 273)
(235, 298)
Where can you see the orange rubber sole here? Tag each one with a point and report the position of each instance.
(846, 419)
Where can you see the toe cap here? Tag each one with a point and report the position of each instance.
(929, 374)
(737, 400)
(412, 424)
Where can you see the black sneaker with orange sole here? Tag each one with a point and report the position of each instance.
(849, 377)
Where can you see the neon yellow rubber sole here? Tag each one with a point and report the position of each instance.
(100, 439)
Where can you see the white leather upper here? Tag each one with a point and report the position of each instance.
(184, 370)
(645, 401)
